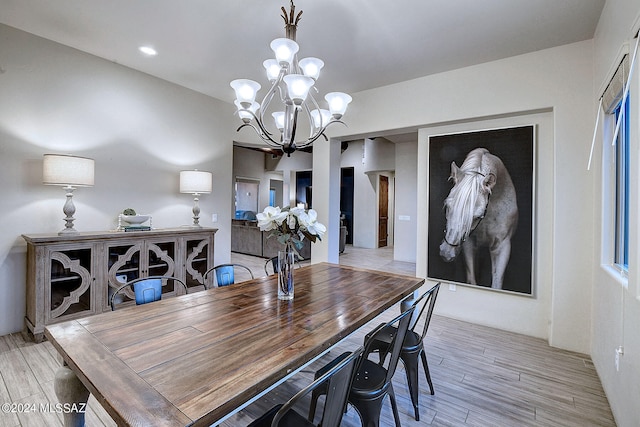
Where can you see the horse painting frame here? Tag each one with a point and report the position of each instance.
(471, 256)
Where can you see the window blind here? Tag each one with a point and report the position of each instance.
(616, 92)
(615, 89)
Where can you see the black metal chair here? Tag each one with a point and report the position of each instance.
(226, 273)
(275, 267)
(336, 382)
(412, 346)
(372, 381)
(146, 289)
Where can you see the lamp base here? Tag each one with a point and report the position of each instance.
(67, 231)
(69, 209)
(196, 212)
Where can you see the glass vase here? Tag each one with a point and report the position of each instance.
(285, 273)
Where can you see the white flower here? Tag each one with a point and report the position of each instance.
(312, 225)
(270, 218)
(291, 220)
(291, 225)
(297, 211)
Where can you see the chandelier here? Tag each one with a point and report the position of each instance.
(292, 85)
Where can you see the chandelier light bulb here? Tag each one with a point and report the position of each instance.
(338, 103)
(285, 50)
(311, 67)
(320, 118)
(273, 69)
(245, 115)
(278, 118)
(298, 86)
(246, 91)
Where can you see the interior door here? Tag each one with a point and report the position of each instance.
(383, 210)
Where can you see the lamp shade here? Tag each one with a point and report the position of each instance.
(245, 115)
(60, 169)
(298, 86)
(278, 117)
(311, 67)
(321, 117)
(284, 50)
(272, 68)
(246, 90)
(338, 102)
(196, 182)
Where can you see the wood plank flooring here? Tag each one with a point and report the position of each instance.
(482, 376)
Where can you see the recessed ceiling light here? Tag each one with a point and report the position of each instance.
(148, 50)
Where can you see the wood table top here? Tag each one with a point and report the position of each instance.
(192, 359)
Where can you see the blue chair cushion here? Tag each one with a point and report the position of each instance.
(224, 275)
(249, 215)
(148, 290)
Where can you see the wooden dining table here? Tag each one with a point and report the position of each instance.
(196, 358)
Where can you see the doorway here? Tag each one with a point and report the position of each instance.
(383, 210)
(346, 201)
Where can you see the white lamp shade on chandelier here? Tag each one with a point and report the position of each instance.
(196, 182)
(69, 172)
(293, 84)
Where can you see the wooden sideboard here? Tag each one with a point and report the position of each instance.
(74, 276)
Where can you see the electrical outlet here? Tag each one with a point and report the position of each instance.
(452, 287)
(214, 217)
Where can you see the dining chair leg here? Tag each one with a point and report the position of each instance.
(315, 394)
(411, 368)
(426, 371)
(394, 405)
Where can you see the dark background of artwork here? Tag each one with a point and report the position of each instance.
(515, 147)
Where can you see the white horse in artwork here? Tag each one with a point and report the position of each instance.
(481, 211)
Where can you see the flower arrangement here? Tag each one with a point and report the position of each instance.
(291, 225)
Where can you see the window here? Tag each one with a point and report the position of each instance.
(621, 248)
(615, 103)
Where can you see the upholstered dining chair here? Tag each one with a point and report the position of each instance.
(271, 265)
(413, 344)
(226, 274)
(372, 381)
(336, 382)
(146, 289)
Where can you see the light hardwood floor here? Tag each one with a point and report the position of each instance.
(482, 376)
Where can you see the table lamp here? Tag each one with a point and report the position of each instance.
(196, 182)
(69, 172)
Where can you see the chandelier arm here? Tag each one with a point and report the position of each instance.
(320, 133)
(264, 133)
(269, 96)
(308, 111)
(294, 125)
(266, 137)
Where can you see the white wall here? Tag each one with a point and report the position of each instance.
(616, 301)
(404, 230)
(140, 130)
(379, 155)
(558, 81)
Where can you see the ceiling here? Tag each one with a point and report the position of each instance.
(204, 44)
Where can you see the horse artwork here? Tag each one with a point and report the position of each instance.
(481, 213)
